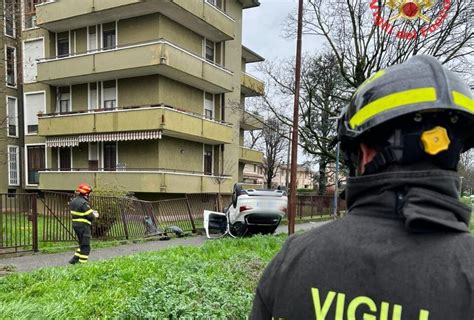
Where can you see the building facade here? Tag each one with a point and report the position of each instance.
(304, 177)
(143, 96)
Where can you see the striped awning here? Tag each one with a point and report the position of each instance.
(73, 141)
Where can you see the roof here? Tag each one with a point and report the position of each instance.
(249, 3)
(251, 56)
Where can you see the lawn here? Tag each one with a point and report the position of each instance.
(214, 281)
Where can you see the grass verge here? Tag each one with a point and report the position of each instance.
(214, 281)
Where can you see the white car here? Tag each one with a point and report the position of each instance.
(251, 211)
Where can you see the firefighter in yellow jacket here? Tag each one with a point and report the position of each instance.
(82, 217)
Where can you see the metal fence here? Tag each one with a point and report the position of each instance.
(124, 217)
(18, 223)
(120, 217)
(313, 206)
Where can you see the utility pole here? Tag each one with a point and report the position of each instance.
(287, 169)
(336, 183)
(294, 141)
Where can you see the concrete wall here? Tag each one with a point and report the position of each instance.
(138, 91)
(181, 96)
(139, 29)
(179, 35)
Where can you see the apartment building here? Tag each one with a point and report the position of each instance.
(143, 96)
(253, 176)
(11, 139)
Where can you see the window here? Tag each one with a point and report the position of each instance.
(210, 51)
(93, 156)
(108, 36)
(64, 159)
(11, 66)
(13, 166)
(12, 116)
(30, 12)
(34, 104)
(33, 50)
(110, 156)
(208, 157)
(208, 105)
(217, 3)
(63, 104)
(62, 43)
(110, 94)
(10, 26)
(35, 163)
(92, 42)
(94, 95)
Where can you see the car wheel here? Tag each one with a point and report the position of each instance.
(236, 193)
(239, 229)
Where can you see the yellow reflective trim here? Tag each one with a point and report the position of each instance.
(463, 101)
(392, 101)
(82, 220)
(82, 214)
(375, 76)
(82, 261)
(82, 256)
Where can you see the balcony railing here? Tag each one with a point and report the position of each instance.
(199, 15)
(251, 121)
(128, 123)
(251, 86)
(247, 155)
(144, 58)
(137, 180)
(129, 108)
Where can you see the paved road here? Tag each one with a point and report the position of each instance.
(37, 261)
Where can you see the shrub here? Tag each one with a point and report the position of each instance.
(105, 201)
(466, 201)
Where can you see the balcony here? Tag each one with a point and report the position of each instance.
(250, 156)
(171, 122)
(251, 86)
(60, 15)
(142, 59)
(159, 180)
(250, 121)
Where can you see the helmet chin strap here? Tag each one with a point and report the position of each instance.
(406, 149)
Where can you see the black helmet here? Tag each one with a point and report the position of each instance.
(409, 112)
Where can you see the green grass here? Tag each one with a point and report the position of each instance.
(215, 281)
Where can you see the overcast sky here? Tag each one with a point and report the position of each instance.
(263, 33)
(263, 30)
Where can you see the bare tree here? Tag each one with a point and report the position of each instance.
(466, 171)
(364, 44)
(323, 94)
(274, 148)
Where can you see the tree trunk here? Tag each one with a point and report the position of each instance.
(322, 181)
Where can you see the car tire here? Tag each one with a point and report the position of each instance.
(236, 193)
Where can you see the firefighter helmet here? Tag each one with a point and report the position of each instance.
(413, 111)
(84, 189)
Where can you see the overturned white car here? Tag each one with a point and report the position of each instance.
(251, 211)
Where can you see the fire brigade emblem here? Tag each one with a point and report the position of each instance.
(410, 9)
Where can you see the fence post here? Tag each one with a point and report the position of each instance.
(301, 199)
(191, 215)
(34, 212)
(124, 221)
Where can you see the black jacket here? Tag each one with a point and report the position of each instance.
(81, 210)
(404, 252)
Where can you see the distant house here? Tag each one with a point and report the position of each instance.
(304, 177)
